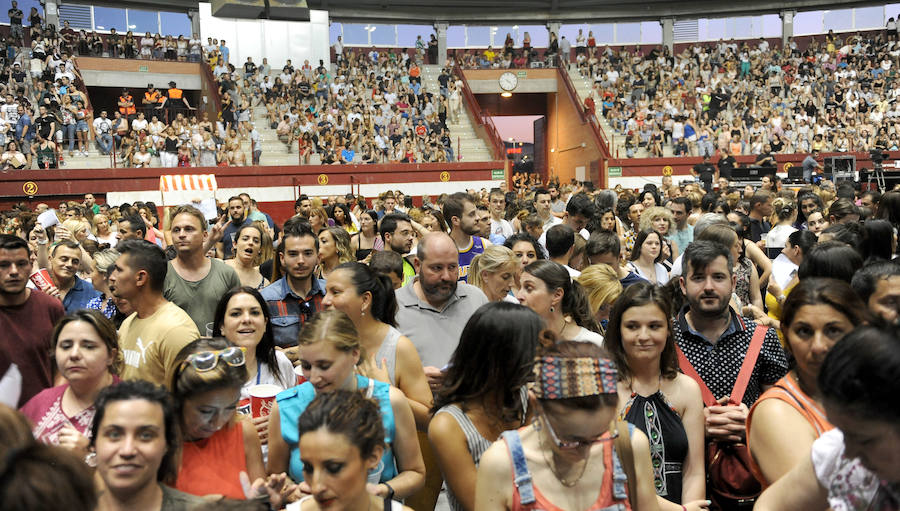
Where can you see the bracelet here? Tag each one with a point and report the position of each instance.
(683, 507)
(390, 495)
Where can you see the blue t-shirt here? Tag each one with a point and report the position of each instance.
(348, 154)
(293, 402)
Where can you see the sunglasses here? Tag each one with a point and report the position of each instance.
(570, 445)
(204, 361)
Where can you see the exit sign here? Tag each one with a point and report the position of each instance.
(614, 171)
(498, 174)
(143, 68)
(521, 74)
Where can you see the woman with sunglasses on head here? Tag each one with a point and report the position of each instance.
(560, 460)
(342, 440)
(663, 403)
(86, 351)
(242, 317)
(217, 446)
(330, 352)
(368, 300)
(483, 393)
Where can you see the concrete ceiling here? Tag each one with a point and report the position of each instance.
(535, 11)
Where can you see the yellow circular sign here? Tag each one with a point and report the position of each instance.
(30, 188)
(445, 176)
(787, 166)
(322, 179)
(667, 170)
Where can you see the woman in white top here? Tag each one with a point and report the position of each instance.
(102, 231)
(647, 256)
(494, 272)
(242, 317)
(786, 213)
(368, 299)
(247, 246)
(142, 157)
(546, 288)
(147, 43)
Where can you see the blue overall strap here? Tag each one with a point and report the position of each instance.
(620, 479)
(521, 475)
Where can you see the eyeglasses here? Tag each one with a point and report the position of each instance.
(204, 361)
(604, 438)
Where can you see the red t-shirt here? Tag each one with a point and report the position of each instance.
(27, 329)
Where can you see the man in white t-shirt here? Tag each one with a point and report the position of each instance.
(500, 228)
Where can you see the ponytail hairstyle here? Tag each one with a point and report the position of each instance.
(364, 280)
(575, 301)
(784, 208)
(494, 258)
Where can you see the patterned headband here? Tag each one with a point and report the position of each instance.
(563, 378)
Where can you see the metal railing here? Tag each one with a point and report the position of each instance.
(482, 120)
(586, 117)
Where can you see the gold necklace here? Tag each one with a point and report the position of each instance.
(562, 480)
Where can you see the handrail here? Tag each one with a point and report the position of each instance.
(82, 88)
(214, 98)
(483, 120)
(590, 119)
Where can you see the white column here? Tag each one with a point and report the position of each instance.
(787, 27)
(668, 33)
(441, 32)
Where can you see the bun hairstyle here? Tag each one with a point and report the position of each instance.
(348, 413)
(575, 300)
(364, 280)
(784, 208)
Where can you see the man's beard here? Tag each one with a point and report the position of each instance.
(718, 310)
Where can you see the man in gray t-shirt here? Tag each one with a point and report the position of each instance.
(434, 308)
(195, 282)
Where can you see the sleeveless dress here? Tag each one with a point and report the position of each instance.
(293, 401)
(213, 465)
(788, 390)
(477, 444)
(389, 505)
(388, 351)
(466, 256)
(668, 441)
(526, 496)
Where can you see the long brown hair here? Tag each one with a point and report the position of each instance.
(637, 295)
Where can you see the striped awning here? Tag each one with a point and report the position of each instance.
(187, 182)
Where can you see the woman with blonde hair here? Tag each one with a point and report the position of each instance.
(660, 219)
(494, 272)
(329, 354)
(602, 286)
(102, 264)
(102, 231)
(334, 249)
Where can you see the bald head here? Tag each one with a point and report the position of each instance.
(436, 244)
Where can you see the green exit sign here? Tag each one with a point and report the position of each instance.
(521, 74)
(143, 68)
(614, 172)
(498, 175)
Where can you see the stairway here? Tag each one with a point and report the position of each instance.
(584, 88)
(467, 145)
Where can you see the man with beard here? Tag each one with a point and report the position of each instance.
(715, 340)
(151, 337)
(27, 317)
(434, 308)
(238, 217)
(297, 296)
(397, 233)
(460, 212)
(195, 282)
(65, 259)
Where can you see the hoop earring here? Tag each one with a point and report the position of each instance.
(552, 309)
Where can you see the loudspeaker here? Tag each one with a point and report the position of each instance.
(250, 9)
(288, 10)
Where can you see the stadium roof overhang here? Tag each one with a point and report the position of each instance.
(533, 11)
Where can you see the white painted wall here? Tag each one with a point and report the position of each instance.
(275, 40)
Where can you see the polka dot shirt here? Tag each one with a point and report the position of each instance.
(719, 364)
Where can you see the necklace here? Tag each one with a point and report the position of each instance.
(561, 479)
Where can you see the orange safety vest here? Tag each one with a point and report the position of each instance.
(152, 97)
(127, 110)
(175, 93)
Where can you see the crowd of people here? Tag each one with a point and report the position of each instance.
(837, 94)
(521, 348)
